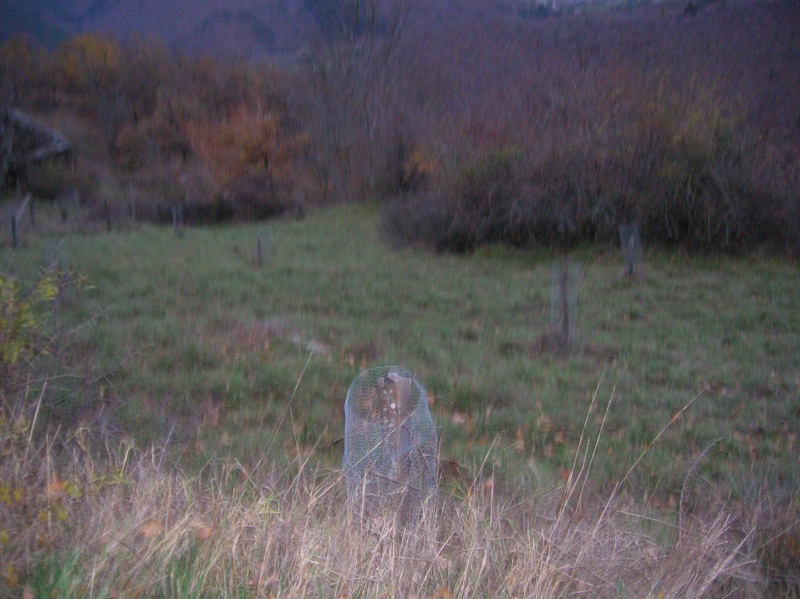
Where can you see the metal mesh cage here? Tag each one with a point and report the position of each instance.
(390, 442)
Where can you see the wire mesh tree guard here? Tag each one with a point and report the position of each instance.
(390, 444)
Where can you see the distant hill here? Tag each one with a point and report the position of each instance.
(253, 29)
(245, 28)
(40, 22)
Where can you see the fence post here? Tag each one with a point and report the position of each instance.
(108, 215)
(565, 316)
(31, 212)
(132, 200)
(79, 212)
(631, 250)
(258, 247)
(564, 303)
(16, 217)
(263, 235)
(177, 218)
(14, 239)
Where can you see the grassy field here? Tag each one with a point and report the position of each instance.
(186, 342)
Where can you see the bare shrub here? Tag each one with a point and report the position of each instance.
(482, 203)
(671, 157)
(258, 197)
(52, 181)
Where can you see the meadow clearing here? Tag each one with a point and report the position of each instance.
(198, 411)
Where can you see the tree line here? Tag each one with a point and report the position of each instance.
(548, 132)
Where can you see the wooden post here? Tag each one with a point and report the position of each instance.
(401, 392)
(631, 250)
(401, 410)
(25, 203)
(563, 304)
(132, 200)
(78, 216)
(177, 218)
(15, 220)
(263, 235)
(258, 247)
(14, 239)
(108, 215)
(565, 324)
(31, 212)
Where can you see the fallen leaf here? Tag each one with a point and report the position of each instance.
(202, 530)
(458, 418)
(27, 593)
(10, 576)
(151, 529)
(442, 594)
(651, 554)
(56, 489)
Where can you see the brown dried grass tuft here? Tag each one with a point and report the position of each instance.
(128, 522)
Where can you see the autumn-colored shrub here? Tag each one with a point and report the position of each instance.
(682, 125)
(26, 322)
(670, 157)
(31, 499)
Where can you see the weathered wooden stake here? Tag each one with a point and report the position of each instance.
(15, 220)
(14, 239)
(108, 215)
(631, 250)
(262, 244)
(177, 218)
(132, 200)
(78, 218)
(563, 306)
(401, 410)
(258, 247)
(31, 213)
(565, 324)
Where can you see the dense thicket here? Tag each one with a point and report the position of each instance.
(551, 131)
(165, 128)
(559, 133)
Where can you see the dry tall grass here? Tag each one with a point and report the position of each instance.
(85, 517)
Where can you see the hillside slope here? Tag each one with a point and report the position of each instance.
(277, 29)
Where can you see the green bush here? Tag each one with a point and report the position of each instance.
(23, 319)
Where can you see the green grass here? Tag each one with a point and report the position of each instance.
(188, 328)
(241, 373)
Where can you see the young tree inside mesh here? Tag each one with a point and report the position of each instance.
(390, 443)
